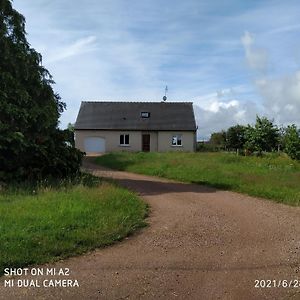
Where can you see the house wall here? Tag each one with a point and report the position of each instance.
(112, 139)
(159, 141)
(165, 141)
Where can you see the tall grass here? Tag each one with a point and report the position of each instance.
(46, 224)
(273, 176)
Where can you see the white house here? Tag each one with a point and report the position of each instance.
(135, 126)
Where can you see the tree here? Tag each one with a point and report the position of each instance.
(262, 137)
(218, 140)
(70, 134)
(31, 144)
(235, 137)
(292, 142)
(281, 138)
(71, 127)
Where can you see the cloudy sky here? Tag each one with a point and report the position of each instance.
(233, 59)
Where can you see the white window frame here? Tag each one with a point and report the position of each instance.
(124, 140)
(175, 139)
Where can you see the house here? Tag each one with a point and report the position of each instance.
(135, 126)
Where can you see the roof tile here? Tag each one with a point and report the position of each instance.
(127, 116)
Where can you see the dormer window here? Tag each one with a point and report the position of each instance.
(145, 114)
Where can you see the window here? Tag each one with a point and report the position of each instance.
(145, 114)
(176, 140)
(124, 139)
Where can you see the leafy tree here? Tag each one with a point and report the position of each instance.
(292, 142)
(235, 137)
(70, 134)
(70, 127)
(262, 137)
(31, 145)
(281, 139)
(218, 140)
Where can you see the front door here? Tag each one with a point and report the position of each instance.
(146, 142)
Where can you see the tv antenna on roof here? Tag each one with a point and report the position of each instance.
(165, 96)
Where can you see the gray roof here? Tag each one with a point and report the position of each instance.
(127, 116)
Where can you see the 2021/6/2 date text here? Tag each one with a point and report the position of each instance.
(277, 283)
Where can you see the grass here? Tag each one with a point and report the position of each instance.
(275, 177)
(38, 226)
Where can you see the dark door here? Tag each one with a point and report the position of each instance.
(146, 142)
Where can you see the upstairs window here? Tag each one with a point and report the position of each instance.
(176, 140)
(145, 114)
(124, 140)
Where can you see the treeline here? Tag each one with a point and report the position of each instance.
(264, 136)
(32, 147)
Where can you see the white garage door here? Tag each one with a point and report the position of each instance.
(94, 144)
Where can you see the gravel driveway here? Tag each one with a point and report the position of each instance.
(201, 243)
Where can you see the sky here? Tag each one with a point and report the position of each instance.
(233, 59)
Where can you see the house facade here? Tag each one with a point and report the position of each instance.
(135, 126)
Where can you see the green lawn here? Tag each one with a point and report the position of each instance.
(273, 176)
(54, 223)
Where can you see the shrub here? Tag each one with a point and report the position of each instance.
(292, 142)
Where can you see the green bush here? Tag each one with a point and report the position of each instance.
(292, 142)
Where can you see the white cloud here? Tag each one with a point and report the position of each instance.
(79, 47)
(257, 59)
(216, 106)
(285, 29)
(213, 114)
(281, 94)
(247, 39)
(281, 97)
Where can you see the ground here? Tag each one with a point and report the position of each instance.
(201, 243)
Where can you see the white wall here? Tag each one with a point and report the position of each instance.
(165, 141)
(159, 141)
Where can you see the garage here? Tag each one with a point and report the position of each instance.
(94, 145)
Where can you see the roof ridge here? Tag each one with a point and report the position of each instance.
(152, 102)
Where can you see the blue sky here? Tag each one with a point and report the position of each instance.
(233, 59)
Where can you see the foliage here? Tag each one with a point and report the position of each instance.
(206, 146)
(235, 137)
(49, 224)
(272, 176)
(262, 137)
(31, 145)
(218, 140)
(292, 142)
(281, 139)
(70, 136)
(71, 127)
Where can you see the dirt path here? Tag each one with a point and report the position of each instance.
(202, 243)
